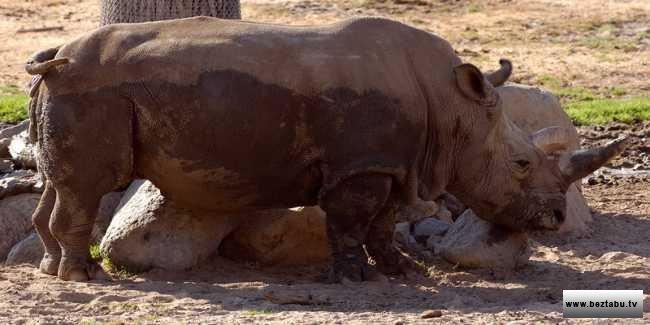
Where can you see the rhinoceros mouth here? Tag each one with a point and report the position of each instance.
(531, 214)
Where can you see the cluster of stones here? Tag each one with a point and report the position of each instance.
(20, 188)
(455, 233)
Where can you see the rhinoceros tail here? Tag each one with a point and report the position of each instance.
(38, 65)
(42, 61)
(32, 108)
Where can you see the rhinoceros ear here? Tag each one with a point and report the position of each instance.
(473, 85)
(499, 77)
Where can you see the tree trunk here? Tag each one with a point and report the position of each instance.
(136, 11)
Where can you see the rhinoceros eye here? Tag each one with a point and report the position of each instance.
(523, 164)
(521, 168)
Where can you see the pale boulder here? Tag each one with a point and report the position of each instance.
(280, 237)
(578, 213)
(452, 204)
(22, 151)
(444, 215)
(428, 227)
(419, 210)
(29, 250)
(150, 231)
(475, 243)
(9, 132)
(15, 220)
(107, 207)
(19, 182)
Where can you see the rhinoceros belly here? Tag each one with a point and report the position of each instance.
(231, 142)
(226, 143)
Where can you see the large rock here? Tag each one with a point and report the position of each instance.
(150, 231)
(280, 237)
(417, 211)
(428, 227)
(532, 109)
(22, 151)
(105, 213)
(29, 250)
(6, 166)
(475, 243)
(7, 133)
(444, 214)
(451, 204)
(15, 220)
(19, 182)
(577, 211)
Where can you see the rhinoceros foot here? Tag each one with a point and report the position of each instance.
(390, 261)
(74, 269)
(50, 264)
(404, 267)
(353, 269)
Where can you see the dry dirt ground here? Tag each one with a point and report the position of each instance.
(597, 44)
(615, 256)
(601, 45)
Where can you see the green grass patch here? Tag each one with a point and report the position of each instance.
(13, 104)
(118, 271)
(586, 107)
(474, 8)
(257, 312)
(617, 91)
(608, 43)
(567, 93)
(108, 265)
(602, 111)
(95, 254)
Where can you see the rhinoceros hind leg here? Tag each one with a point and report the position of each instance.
(350, 208)
(381, 248)
(71, 224)
(41, 220)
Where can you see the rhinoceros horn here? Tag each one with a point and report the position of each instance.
(551, 139)
(499, 77)
(583, 162)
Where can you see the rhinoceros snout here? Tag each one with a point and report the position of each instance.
(552, 218)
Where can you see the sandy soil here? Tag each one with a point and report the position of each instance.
(597, 44)
(601, 45)
(615, 256)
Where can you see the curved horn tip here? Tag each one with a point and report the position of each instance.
(499, 77)
(584, 162)
(619, 143)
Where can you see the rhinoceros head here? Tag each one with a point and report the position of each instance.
(509, 177)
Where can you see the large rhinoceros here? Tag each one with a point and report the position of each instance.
(359, 117)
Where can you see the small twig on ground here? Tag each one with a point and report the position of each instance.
(39, 29)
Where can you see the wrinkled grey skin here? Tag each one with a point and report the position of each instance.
(359, 117)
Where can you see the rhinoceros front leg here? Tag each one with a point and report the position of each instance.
(41, 221)
(381, 247)
(71, 224)
(350, 208)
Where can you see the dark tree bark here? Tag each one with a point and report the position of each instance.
(136, 11)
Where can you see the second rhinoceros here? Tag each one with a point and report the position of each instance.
(359, 117)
